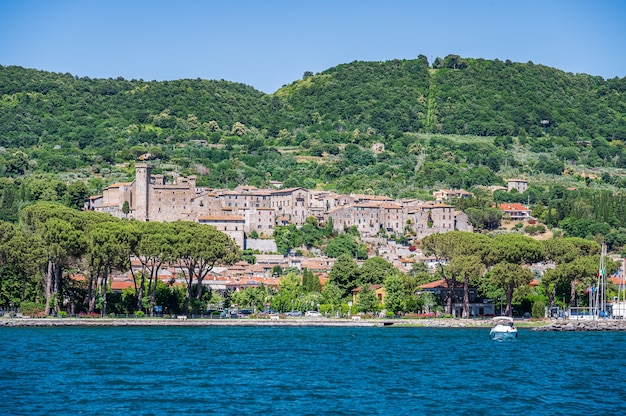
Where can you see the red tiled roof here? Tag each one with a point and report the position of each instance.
(512, 207)
(439, 284)
(121, 285)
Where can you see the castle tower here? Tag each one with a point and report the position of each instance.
(142, 188)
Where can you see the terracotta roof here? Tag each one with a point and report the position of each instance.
(317, 264)
(367, 205)
(117, 185)
(512, 207)
(372, 287)
(391, 206)
(120, 285)
(220, 218)
(439, 284)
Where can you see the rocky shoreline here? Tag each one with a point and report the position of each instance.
(598, 325)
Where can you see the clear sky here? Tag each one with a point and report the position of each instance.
(267, 44)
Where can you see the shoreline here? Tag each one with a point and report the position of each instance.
(557, 325)
(312, 322)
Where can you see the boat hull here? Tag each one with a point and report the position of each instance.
(503, 332)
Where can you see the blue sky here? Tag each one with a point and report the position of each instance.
(267, 44)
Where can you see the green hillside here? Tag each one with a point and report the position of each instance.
(456, 122)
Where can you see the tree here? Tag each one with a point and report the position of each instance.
(287, 238)
(108, 249)
(469, 268)
(239, 129)
(484, 218)
(22, 259)
(200, 247)
(288, 292)
(344, 274)
(565, 252)
(59, 230)
(517, 249)
(311, 233)
(76, 194)
(125, 209)
(508, 277)
(446, 246)
(332, 295)
(310, 282)
(374, 270)
(340, 245)
(153, 244)
(367, 300)
(394, 289)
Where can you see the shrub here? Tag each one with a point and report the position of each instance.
(539, 309)
(62, 314)
(139, 314)
(31, 308)
(535, 229)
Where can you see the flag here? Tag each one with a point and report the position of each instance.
(588, 290)
(616, 273)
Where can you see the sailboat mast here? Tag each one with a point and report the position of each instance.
(597, 298)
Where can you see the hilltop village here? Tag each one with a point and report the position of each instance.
(247, 210)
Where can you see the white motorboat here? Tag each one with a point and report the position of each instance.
(504, 328)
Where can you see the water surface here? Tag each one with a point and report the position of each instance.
(308, 371)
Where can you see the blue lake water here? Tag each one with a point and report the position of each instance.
(308, 371)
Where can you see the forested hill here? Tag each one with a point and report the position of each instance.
(451, 96)
(463, 96)
(40, 107)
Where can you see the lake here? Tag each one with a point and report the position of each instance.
(308, 371)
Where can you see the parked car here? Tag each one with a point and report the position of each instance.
(233, 313)
(315, 314)
(245, 312)
(293, 313)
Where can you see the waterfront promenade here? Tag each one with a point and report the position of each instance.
(325, 322)
(559, 325)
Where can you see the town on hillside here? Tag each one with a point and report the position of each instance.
(249, 211)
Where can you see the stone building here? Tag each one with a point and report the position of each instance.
(231, 225)
(520, 185)
(431, 218)
(245, 209)
(151, 199)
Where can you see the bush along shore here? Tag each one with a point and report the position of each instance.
(584, 325)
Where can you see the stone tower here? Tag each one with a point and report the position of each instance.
(142, 188)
